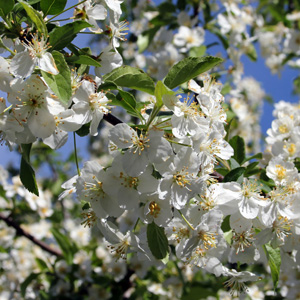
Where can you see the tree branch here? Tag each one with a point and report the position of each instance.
(20, 231)
(112, 119)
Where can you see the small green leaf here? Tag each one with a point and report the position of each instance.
(160, 91)
(251, 52)
(133, 78)
(64, 244)
(60, 37)
(27, 174)
(238, 145)
(85, 60)
(60, 84)
(52, 7)
(197, 51)
(233, 163)
(41, 264)
(146, 38)
(27, 281)
(157, 241)
(234, 175)
(127, 101)
(274, 259)
(189, 68)
(35, 17)
(84, 130)
(6, 6)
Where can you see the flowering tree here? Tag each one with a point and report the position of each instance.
(177, 200)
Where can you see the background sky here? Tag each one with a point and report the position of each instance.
(278, 86)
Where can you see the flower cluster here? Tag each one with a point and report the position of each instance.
(176, 187)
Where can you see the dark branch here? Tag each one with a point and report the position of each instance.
(217, 176)
(10, 222)
(112, 119)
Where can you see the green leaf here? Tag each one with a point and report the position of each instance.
(146, 38)
(60, 84)
(127, 101)
(6, 7)
(84, 130)
(157, 241)
(27, 174)
(197, 51)
(133, 78)
(41, 264)
(27, 281)
(52, 7)
(160, 91)
(274, 259)
(85, 60)
(198, 292)
(35, 17)
(234, 175)
(107, 86)
(238, 145)
(251, 52)
(233, 163)
(60, 37)
(64, 244)
(189, 68)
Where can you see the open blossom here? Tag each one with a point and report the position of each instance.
(90, 105)
(31, 105)
(142, 148)
(91, 13)
(35, 54)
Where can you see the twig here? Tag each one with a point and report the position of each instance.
(20, 231)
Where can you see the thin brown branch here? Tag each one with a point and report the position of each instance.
(20, 231)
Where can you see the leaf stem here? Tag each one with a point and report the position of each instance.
(75, 152)
(224, 163)
(186, 221)
(66, 10)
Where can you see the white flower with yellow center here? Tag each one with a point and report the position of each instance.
(89, 187)
(143, 148)
(180, 182)
(281, 172)
(90, 105)
(156, 210)
(31, 105)
(35, 54)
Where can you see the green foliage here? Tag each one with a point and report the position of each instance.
(28, 281)
(157, 241)
(83, 60)
(274, 259)
(189, 68)
(133, 78)
(235, 175)
(65, 245)
(6, 7)
(52, 7)
(27, 174)
(35, 17)
(60, 83)
(238, 145)
(60, 37)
